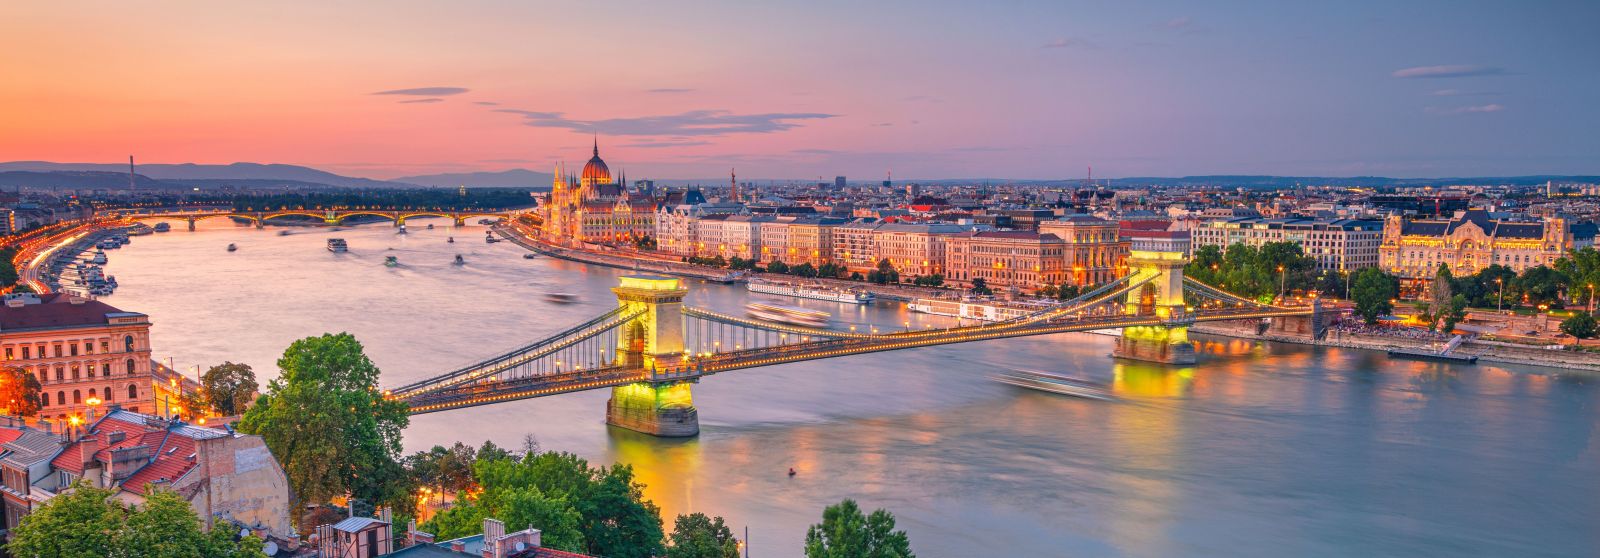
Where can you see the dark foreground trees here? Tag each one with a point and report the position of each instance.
(87, 521)
(846, 533)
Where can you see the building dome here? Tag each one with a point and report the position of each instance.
(596, 172)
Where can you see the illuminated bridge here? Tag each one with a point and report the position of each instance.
(651, 348)
(328, 216)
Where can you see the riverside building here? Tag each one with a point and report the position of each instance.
(1473, 240)
(85, 353)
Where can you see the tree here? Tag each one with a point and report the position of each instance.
(599, 511)
(227, 386)
(88, 521)
(981, 287)
(698, 536)
(1372, 292)
(1540, 285)
(1580, 326)
(1452, 313)
(777, 266)
(885, 273)
(846, 533)
(329, 426)
(804, 270)
(19, 392)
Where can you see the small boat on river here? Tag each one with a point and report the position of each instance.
(560, 298)
(337, 245)
(390, 261)
(1055, 383)
(460, 260)
(233, 247)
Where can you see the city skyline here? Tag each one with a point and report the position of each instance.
(795, 90)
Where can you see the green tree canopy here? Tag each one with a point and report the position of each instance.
(698, 536)
(598, 511)
(1580, 326)
(329, 426)
(846, 533)
(227, 387)
(88, 521)
(1372, 291)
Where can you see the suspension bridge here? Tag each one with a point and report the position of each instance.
(328, 216)
(651, 348)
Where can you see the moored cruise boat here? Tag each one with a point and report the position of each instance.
(162, 227)
(787, 314)
(337, 245)
(849, 296)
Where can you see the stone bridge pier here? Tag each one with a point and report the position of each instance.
(659, 408)
(1163, 255)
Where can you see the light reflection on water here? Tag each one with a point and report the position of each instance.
(1260, 450)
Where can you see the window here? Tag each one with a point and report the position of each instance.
(61, 398)
(128, 341)
(73, 348)
(77, 396)
(58, 351)
(108, 394)
(133, 391)
(105, 346)
(44, 374)
(44, 400)
(26, 353)
(61, 373)
(88, 347)
(105, 370)
(8, 353)
(130, 366)
(74, 371)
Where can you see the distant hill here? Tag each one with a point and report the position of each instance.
(257, 173)
(513, 178)
(81, 180)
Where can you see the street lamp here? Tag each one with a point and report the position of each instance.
(1502, 283)
(1283, 280)
(94, 404)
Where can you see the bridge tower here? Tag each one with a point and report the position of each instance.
(652, 341)
(1163, 255)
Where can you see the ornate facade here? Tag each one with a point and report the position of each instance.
(591, 208)
(1472, 240)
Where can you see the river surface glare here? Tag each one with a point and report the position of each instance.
(1262, 449)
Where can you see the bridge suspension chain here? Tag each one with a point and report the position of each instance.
(527, 354)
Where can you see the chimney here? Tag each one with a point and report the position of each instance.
(458, 546)
(87, 447)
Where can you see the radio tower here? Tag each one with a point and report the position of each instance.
(131, 183)
(733, 185)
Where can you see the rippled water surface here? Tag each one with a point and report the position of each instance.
(1260, 450)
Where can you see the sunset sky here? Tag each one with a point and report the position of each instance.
(806, 89)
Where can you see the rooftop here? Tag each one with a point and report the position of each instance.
(58, 310)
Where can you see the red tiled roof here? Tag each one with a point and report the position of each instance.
(9, 434)
(170, 449)
(171, 462)
(55, 310)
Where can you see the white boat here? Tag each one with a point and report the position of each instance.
(99, 257)
(987, 311)
(787, 314)
(337, 245)
(848, 296)
(1055, 383)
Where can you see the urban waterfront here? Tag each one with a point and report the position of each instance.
(1260, 450)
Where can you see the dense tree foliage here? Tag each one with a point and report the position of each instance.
(846, 533)
(88, 521)
(327, 424)
(698, 536)
(1373, 292)
(19, 392)
(228, 387)
(884, 273)
(1580, 326)
(1257, 273)
(8, 270)
(596, 510)
(980, 286)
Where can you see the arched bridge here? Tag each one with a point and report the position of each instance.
(651, 348)
(328, 216)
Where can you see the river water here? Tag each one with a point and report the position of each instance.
(1261, 450)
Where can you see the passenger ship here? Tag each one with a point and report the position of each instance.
(337, 245)
(987, 311)
(787, 314)
(848, 296)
